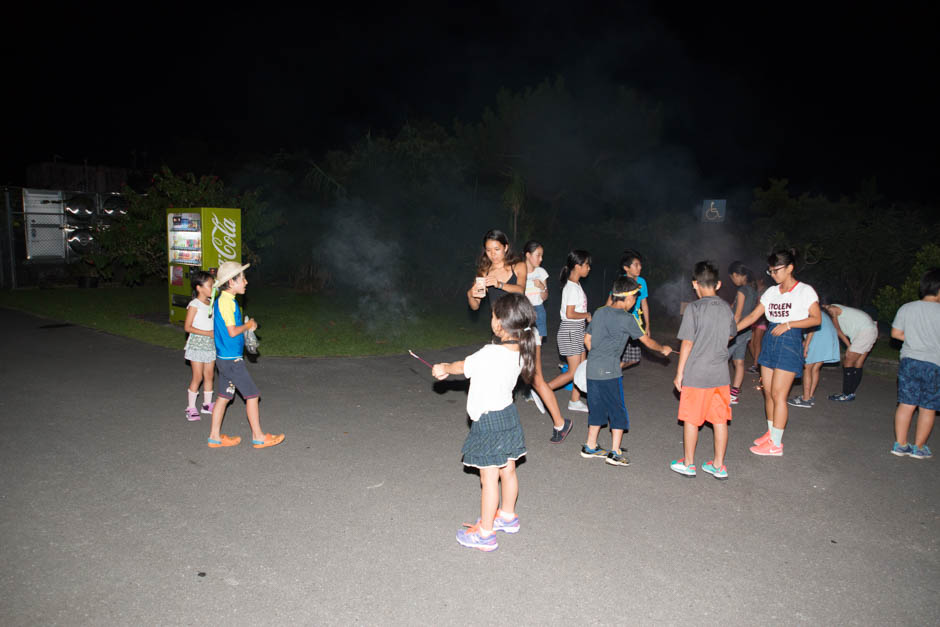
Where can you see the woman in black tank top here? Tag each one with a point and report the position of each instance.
(499, 272)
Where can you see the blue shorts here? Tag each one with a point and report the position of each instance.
(541, 320)
(605, 403)
(784, 351)
(919, 384)
(234, 376)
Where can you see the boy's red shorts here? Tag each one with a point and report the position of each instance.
(696, 405)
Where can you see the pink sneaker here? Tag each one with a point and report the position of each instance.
(192, 414)
(762, 439)
(207, 408)
(768, 448)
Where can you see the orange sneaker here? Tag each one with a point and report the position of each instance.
(269, 440)
(762, 439)
(768, 448)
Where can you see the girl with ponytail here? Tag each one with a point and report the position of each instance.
(496, 440)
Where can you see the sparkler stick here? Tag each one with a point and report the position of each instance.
(419, 359)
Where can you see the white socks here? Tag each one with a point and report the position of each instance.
(192, 398)
(207, 396)
(776, 435)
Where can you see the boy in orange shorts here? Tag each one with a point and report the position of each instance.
(702, 376)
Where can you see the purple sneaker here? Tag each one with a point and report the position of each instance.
(470, 537)
(207, 408)
(192, 414)
(507, 526)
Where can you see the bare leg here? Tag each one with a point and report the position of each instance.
(545, 393)
(489, 497)
(689, 441)
(721, 444)
(567, 377)
(754, 344)
(218, 412)
(738, 373)
(510, 487)
(902, 422)
(616, 439)
(780, 386)
(593, 432)
(925, 418)
(197, 376)
(766, 376)
(208, 376)
(810, 379)
(854, 360)
(254, 418)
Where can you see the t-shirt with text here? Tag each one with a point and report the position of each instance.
(790, 306)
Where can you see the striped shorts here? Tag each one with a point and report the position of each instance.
(571, 337)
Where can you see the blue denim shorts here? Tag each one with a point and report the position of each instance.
(784, 351)
(541, 320)
(919, 384)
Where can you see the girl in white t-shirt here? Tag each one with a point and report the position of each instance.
(496, 439)
(535, 288)
(789, 306)
(200, 345)
(574, 317)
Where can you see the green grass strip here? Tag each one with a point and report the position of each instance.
(291, 323)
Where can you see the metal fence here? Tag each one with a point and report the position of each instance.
(46, 233)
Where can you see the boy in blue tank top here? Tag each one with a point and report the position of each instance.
(229, 329)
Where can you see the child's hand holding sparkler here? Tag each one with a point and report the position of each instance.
(439, 371)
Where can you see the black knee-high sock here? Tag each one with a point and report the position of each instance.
(846, 377)
(855, 381)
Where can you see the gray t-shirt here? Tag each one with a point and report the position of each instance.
(920, 321)
(709, 323)
(750, 299)
(609, 330)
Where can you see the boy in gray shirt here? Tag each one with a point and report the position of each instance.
(605, 337)
(702, 376)
(917, 324)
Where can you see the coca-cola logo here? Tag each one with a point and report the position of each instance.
(223, 238)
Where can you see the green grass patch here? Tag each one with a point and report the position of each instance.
(291, 323)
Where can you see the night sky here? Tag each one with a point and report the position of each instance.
(825, 99)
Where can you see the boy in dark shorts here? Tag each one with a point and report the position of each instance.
(605, 337)
(229, 329)
(702, 376)
(917, 324)
(631, 265)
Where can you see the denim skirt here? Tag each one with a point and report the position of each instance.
(784, 351)
(494, 439)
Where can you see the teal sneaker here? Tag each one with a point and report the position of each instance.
(679, 466)
(921, 452)
(717, 473)
(902, 451)
(588, 453)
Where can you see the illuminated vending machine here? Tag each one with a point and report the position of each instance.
(198, 239)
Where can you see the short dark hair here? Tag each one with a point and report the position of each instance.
(706, 274)
(930, 283)
(621, 285)
(628, 256)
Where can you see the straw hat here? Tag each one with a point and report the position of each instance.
(229, 270)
